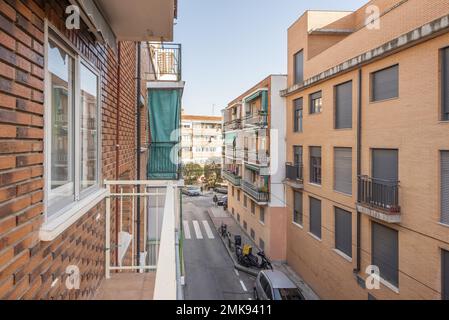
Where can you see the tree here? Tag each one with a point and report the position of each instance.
(212, 174)
(191, 172)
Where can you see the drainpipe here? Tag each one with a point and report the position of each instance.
(117, 146)
(138, 145)
(359, 166)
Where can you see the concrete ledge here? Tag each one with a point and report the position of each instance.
(378, 214)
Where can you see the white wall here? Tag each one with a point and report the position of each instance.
(277, 141)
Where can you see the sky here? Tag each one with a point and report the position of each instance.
(228, 46)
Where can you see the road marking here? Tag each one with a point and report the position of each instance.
(186, 230)
(236, 272)
(196, 226)
(209, 233)
(243, 286)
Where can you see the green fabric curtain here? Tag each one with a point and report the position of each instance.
(164, 119)
(164, 112)
(265, 101)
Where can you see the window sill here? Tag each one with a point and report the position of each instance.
(298, 225)
(315, 237)
(389, 285)
(443, 224)
(262, 223)
(343, 255)
(315, 185)
(52, 228)
(383, 100)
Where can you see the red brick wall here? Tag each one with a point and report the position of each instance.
(28, 266)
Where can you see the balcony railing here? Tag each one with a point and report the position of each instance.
(260, 158)
(257, 119)
(258, 194)
(165, 62)
(379, 194)
(164, 161)
(294, 172)
(147, 241)
(233, 125)
(232, 177)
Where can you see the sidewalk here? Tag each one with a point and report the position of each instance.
(218, 216)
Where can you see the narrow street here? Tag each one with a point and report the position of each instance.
(210, 274)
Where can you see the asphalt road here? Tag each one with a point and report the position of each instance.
(210, 274)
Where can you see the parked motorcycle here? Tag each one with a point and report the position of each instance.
(246, 258)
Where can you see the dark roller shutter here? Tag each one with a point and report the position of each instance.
(445, 82)
(315, 152)
(297, 108)
(297, 214)
(315, 217)
(343, 105)
(445, 187)
(385, 84)
(445, 275)
(343, 170)
(385, 252)
(343, 231)
(385, 164)
(299, 67)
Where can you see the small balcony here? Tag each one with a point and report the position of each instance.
(379, 199)
(165, 62)
(258, 158)
(294, 175)
(256, 119)
(231, 125)
(232, 177)
(260, 195)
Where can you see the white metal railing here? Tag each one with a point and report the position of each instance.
(159, 229)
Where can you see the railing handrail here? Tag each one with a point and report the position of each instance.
(379, 193)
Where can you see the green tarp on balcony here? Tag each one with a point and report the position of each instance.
(264, 95)
(164, 118)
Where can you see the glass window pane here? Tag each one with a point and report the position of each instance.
(89, 127)
(60, 68)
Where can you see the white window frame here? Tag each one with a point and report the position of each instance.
(58, 221)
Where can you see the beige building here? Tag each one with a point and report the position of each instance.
(254, 134)
(367, 173)
(201, 139)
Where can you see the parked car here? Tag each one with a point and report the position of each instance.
(222, 201)
(191, 191)
(275, 285)
(223, 190)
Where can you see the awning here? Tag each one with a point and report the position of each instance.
(260, 93)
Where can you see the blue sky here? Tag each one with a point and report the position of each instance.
(230, 45)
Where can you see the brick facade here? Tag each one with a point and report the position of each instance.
(30, 268)
(409, 123)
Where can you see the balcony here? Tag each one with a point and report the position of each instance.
(258, 119)
(142, 259)
(258, 158)
(165, 62)
(260, 195)
(294, 175)
(379, 199)
(231, 125)
(164, 163)
(232, 177)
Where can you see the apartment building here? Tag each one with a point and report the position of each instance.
(367, 172)
(68, 140)
(254, 135)
(201, 139)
